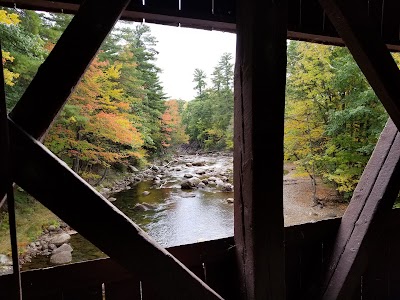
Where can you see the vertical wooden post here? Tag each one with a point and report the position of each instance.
(260, 79)
(6, 185)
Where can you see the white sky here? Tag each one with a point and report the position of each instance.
(181, 50)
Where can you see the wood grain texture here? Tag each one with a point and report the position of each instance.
(260, 67)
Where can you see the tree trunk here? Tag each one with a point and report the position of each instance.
(102, 177)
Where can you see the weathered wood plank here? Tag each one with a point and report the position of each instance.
(6, 185)
(198, 14)
(87, 293)
(123, 290)
(260, 66)
(43, 175)
(374, 195)
(65, 65)
(368, 49)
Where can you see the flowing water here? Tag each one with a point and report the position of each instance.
(175, 216)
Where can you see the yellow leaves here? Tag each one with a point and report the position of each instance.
(9, 76)
(8, 19)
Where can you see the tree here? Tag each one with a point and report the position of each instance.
(94, 128)
(199, 78)
(333, 119)
(209, 117)
(7, 19)
(173, 129)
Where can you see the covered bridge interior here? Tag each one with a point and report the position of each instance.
(353, 257)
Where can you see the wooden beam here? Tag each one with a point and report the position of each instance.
(66, 63)
(6, 186)
(368, 49)
(260, 67)
(56, 186)
(375, 194)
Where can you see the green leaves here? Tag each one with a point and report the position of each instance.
(333, 117)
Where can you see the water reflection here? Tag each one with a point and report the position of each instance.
(180, 217)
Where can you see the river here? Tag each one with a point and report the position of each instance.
(175, 216)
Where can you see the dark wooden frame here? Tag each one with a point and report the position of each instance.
(259, 233)
(260, 66)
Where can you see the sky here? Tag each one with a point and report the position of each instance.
(182, 50)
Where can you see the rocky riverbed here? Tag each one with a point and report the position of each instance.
(186, 199)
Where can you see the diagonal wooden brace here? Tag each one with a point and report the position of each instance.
(56, 186)
(375, 194)
(377, 188)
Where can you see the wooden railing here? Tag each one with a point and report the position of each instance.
(307, 248)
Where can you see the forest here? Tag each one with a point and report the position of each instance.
(119, 116)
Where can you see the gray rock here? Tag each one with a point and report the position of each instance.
(5, 260)
(198, 163)
(112, 199)
(52, 228)
(140, 207)
(155, 168)
(62, 248)
(229, 200)
(132, 169)
(227, 187)
(105, 190)
(61, 258)
(145, 193)
(188, 175)
(188, 165)
(194, 181)
(60, 239)
(201, 185)
(186, 185)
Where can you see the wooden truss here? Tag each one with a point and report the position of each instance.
(262, 28)
(379, 185)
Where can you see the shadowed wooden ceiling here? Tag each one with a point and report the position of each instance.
(306, 19)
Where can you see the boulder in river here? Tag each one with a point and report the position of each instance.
(140, 207)
(227, 187)
(61, 258)
(229, 200)
(145, 193)
(60, 239)
(186, 185)
(188, 175)
(194, 181)
(112, 199)
(62, 248)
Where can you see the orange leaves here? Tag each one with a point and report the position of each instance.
(115, 128)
